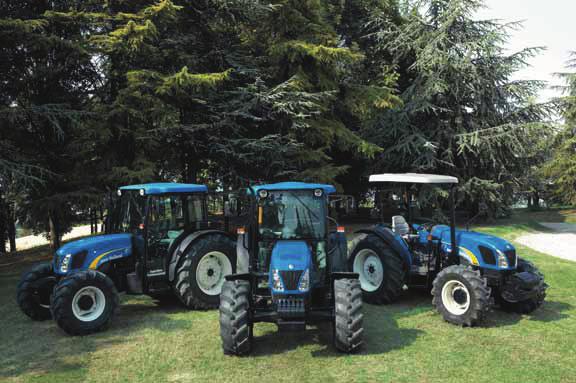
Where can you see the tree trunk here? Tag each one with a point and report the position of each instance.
(54, 230)
(11, 227)
(3, 226)
(536, 200)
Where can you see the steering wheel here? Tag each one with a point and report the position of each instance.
(427, 224)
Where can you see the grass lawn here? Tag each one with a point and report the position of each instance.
(405, 342)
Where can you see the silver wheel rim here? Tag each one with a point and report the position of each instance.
(211, 272)
(455, 297)
(370, 269)
(81, 308)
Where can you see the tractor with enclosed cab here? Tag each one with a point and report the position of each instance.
(466, 271)
(291, 269)
(158, 242)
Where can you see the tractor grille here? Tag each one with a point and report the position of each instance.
(291, 279)
(78, 260)
(511, 256)
(487, 255)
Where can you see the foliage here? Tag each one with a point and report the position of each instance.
(560, 170)
(462, 114)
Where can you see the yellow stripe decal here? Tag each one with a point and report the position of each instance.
(470, 255)
(98, 258)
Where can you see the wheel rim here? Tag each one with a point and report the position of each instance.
(88, 303)
(370, 269)
(211, 272)
(455, 297)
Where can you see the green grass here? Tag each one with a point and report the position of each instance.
(405, 342)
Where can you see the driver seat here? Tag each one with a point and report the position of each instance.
(400, 226)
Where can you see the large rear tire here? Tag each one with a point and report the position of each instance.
(235, 320)
(34, 290)
(348, 329)
(529, 305)
(381, 270)
(461, 295)
(202, 271)
(84, 302)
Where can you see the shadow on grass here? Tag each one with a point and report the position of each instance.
(550, 311)
(39, 348)
(381, 331)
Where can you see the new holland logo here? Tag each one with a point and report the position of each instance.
(290, 267)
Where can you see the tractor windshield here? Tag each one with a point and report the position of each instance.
(292, 215)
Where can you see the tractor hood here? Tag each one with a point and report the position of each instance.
(480, 249)
(91, 252)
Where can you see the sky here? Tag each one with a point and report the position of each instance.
(548, 23)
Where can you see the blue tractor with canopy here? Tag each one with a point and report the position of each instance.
(159, 241)
(292, 270)
(465, 270)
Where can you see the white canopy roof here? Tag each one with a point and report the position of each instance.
(417, 178)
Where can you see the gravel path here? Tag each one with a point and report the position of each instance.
(29, 241)
(561, 243)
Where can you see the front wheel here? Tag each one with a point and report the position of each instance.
(84, 302)
(235, 321)
(461, 295)
(201, 274)
(348, 329)
(33, 292)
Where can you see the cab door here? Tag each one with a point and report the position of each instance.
(169, 216)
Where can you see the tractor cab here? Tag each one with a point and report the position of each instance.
(289, 265)
(464, 269)
(159, 241)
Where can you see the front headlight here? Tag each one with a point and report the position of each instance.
(502, 260)
(304, 281)
(277, 281)
(65, 263)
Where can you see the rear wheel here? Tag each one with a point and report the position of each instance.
(201, 274)
(84, 302)
(381, 270)
(461, 295)
(348, 330)
(531, 304)
(34, 290)
(235, 321)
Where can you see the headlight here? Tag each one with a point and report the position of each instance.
(65, 263)
(304, 281)
(277, 281)
(502, 260)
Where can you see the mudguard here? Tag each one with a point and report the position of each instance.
(393, 240)
(181, 246)
(338, 250)
(242, 256)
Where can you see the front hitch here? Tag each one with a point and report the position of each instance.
(520, 286)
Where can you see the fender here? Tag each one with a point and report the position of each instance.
(242, 256)
(181, 245)
(393, 240)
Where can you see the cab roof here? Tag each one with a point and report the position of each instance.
(328, 189)
(413, 178)
(167, 188)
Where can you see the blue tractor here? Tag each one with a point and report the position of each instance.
(466, 271)
(292, 271)
(158, 242)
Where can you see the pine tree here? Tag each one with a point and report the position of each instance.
(463, 114)
(560, 170)
(48, 78)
